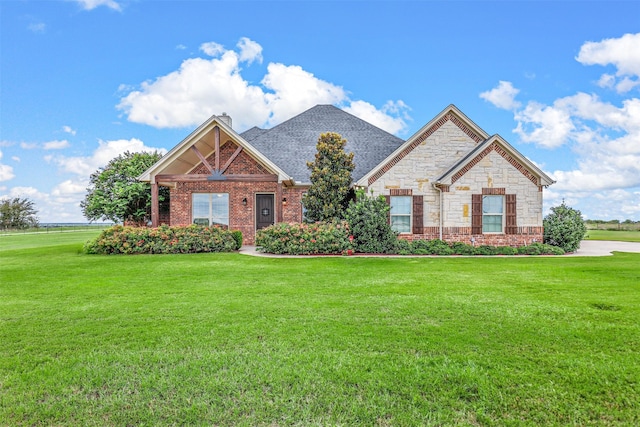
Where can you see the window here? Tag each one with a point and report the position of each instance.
(401, 213)
(211, 209)
(492, 214)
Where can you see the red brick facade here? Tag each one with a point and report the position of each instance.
(288, 206)
(525, 236)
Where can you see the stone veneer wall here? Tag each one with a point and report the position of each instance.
(419, 168)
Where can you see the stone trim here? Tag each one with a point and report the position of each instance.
(495, 147)
(420, 139)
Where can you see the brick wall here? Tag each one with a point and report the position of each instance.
(525, 236)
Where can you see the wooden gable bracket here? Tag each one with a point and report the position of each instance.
(215, 171)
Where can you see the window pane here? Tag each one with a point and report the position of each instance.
(220, 209)
(492, 204)
(200, 208)
(400, 205)
(401, 223)
(492, 223)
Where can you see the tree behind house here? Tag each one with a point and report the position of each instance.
(330, 179)
(115, 194)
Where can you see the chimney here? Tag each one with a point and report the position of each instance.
(224, 118)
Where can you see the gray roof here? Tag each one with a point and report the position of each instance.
(251, 134)
(291, 144)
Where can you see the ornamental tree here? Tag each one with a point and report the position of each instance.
(369, 224)
(115, 194)
(330, 179)
(18, 213)
(564, 227)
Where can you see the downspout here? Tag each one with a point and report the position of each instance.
(435, 185)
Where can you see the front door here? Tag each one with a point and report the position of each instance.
(264, 211)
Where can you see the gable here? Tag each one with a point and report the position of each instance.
(239, 162)
(495, 145)
(197, 153)
(449, 116)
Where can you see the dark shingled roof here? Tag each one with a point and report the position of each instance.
(292, 143)
(251, 134)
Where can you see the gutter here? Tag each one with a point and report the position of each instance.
(435, 185)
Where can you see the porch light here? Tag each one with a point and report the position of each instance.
(244, 202)
(284, 201)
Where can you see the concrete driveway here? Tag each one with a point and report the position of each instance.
(604, 248)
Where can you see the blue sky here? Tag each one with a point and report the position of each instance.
(83, 81)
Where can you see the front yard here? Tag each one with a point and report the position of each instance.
(226, 339)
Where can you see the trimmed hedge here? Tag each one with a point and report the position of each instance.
(164, 240)
(305, 239)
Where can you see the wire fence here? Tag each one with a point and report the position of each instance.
(55, 228)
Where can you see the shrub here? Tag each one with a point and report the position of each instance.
(540, 249)
(367, 218)
(431, 247)
(506, 250)
(460, 248)
(305, 239)
(564, 227)
(161, 240)
(237, 236)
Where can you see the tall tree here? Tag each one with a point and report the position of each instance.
(115, 194)
(18, 213)
(330, 179)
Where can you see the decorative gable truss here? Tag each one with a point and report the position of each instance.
(202, 157)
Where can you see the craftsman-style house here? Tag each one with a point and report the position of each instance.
(451, 180)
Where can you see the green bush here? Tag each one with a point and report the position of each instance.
(305, 239)
(367, 218)
(460, 248)
(237, 236)
(161, 240)
(540, 249)
(564, 227)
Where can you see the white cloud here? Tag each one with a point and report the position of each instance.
(37, 27)
(15, 158)
(623, 53)
(56, 145)
(249, 51)
(605, 181)
(546, 126)
(92, 4)
(502, 96)
(295, 90)
(212, 48)
(28, 145)
(389, 118)
(203, 87)
(6, 171)
(107, 150)
(69, 130)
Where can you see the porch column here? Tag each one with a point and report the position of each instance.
(279, 203)
(155, 212)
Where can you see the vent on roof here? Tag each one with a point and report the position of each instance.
(224, 118)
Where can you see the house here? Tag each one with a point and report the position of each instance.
(451, 180)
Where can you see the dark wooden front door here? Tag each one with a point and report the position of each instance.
(264, 211)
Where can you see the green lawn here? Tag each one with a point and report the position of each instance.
(621, 236)
(227, 339)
